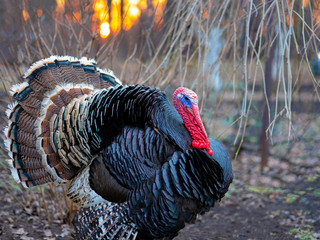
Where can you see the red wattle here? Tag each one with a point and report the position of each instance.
(209, 151)
(199, 144)
(202, 145)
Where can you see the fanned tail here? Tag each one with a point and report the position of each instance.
(105, 221)
(41, 148)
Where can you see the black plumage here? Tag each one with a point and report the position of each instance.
(140, 106)
(166, 187)
(126, 151)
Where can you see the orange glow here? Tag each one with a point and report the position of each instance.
(316, 13)
(143, 4)
(159, 6)
(100, 11)
(288, 20)
(107, 16)
(205, 13)
(132, 13)
(115, 16)
(104, 29)
(25, 15)
(77, 16)
(60, 6)
(101, 16)
(305, 3)
(39, 12)
(133, 2)
(288, 16)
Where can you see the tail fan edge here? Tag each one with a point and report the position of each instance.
(37, 99)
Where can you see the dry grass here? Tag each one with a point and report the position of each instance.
(176, 52)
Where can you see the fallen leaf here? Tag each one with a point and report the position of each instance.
(48, 233)
(20, 231)
(26, 238)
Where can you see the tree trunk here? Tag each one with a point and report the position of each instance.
(264, 142)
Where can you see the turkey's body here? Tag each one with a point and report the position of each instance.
(131, 161)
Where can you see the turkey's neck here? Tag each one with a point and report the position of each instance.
(110, 110)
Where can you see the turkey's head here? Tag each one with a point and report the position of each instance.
(186, 103)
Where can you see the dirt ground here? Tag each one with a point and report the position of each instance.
(262, 213)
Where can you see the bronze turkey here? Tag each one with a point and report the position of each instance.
(138, 167)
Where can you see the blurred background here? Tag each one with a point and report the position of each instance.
(255, 65)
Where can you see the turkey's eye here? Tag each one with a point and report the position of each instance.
(186, 98)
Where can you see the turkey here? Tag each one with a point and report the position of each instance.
(137, 167)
